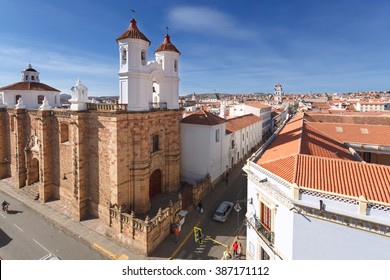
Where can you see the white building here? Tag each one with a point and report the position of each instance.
(366, 106)
(30, 92)
(203, 145)
(244, 134)
(147, 85)
(256, 108)
(212, 145)
(310, 197)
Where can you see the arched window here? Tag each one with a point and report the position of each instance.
(155, 143)
(124, 56)
(175, 65)
(40, 99)
(17, 98)
(64, 132)
(143, 57)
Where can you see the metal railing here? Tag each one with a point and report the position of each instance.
(158, 106)
(263, 231)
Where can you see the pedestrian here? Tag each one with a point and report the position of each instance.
(227, 180)
(4, 205)
(200, 206)
(176, 232)
(235, 249)
(239, 251)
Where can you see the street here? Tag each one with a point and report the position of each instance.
(222, 233)
(25, 235)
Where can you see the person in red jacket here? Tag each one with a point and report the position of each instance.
(235, 248)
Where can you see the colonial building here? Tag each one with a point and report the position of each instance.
(101, 160)
(31, 90)
(367, 106)
(258, 109)
(311, 195)
(212, 145)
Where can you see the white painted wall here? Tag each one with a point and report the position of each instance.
(30, 98)
(300, 238)
(322, 240)
(201, 153)
(195, 151)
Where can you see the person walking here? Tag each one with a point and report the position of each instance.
(200, 207)
(235, 249)
(176, 232)
(239, 251)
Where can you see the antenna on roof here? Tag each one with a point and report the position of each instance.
(133, 11)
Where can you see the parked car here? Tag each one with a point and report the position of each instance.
(223, 211)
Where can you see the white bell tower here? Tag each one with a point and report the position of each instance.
(167, 55)
(134, 85)
(278, 92)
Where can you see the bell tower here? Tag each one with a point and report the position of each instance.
(134, 86)
(167, 55)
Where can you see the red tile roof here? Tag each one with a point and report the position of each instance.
(355, 133)
(257, 104)
(167, 46)
(203, 118)
(133, 33)
(306, 153)
(237, 123)
(29, 86)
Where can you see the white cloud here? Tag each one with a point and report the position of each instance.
(208, 21)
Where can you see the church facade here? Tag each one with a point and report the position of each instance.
(96, 156)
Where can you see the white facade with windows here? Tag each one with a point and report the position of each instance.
(256, 108)
(30, 92)
(297, 229)
(311, 198)
(144, 85)
(203, 151)
(215, 146)
(372, 106)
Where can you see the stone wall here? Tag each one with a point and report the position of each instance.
(91, 159)
(201, 189)
(142, 236)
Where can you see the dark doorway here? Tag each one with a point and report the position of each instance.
(155, 183)
(34, 171)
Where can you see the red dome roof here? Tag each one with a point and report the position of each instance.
(133, 33)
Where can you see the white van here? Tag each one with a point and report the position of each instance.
(223, 211)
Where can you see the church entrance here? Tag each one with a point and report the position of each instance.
(155, 183)
(34, 172)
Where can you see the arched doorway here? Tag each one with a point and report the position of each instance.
(34, 171)
(155, 183)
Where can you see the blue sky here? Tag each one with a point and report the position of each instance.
(226, 46)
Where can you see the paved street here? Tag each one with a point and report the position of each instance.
(224, 233)
(87, 234)
(25, 235)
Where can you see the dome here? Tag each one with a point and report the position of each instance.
(167, 45)
(30, 69)
(133, 33)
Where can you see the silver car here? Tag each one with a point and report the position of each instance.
(223, 211)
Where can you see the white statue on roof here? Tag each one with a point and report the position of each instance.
(79, 98)
(45, 104)
(20, 104)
